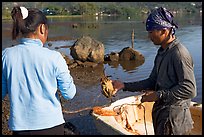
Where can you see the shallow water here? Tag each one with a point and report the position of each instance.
(115, 34)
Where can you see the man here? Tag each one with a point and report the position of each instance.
(171, 83)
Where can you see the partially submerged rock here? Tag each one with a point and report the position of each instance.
(87, 52)
(113, 56)
(127, 54)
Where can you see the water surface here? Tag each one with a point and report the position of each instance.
(115, 34)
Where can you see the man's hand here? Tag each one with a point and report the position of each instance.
(149, 96)
(117, 85)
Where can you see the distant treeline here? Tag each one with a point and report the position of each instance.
(103, 8)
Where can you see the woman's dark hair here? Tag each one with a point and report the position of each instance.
(29, 24)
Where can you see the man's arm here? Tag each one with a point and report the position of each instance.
(145, 84)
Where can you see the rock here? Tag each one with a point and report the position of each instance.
(78, 62)
(75, 25)
(128, 53)
(87, 49)
(113, 64)
(73, 65)
(89, 64)
(128, 58)
(49, 44)
(113, 56)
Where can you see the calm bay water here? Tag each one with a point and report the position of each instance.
(115, 34)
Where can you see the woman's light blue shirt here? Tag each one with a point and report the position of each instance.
(31, 75)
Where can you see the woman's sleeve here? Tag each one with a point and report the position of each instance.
(4, 81)
(65, 81)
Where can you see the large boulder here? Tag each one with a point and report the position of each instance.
(87, 49)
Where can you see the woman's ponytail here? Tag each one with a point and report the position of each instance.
(26, 20)
(18, 21)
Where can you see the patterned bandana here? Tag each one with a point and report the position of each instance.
(159, 19)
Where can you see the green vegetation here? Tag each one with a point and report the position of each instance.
(128, 9)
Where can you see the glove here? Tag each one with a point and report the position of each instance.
(107, 87)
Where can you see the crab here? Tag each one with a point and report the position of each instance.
(107, 86)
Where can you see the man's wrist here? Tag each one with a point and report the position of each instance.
(124, 88)
(159, 94)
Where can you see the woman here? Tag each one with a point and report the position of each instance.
(31, 75)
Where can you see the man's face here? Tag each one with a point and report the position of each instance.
(157, 36)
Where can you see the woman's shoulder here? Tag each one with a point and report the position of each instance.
(51, 53)
(8, 49)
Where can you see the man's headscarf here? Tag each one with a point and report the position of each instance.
(159, 19)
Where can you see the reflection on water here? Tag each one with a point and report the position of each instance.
(126, 65)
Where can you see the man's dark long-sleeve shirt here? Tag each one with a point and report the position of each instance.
(173, 76)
